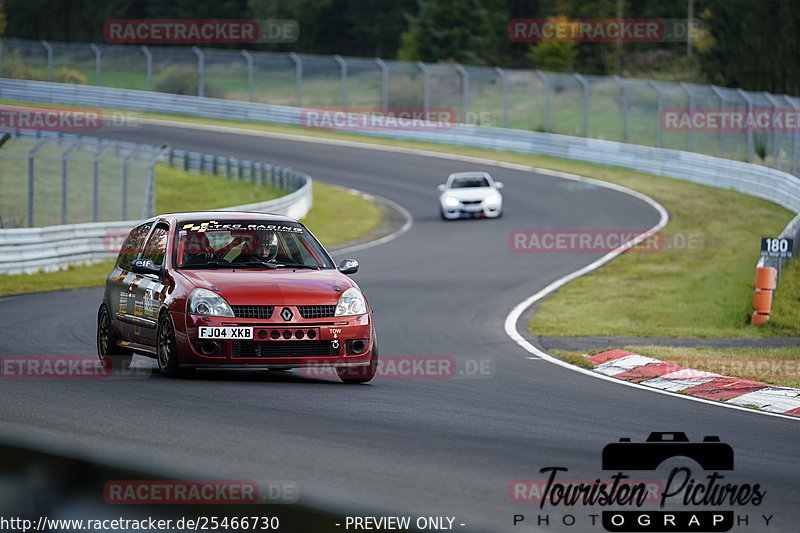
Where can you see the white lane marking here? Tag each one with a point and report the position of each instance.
(510, 324)
(386, 238)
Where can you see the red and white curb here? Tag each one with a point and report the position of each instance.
(628, 366)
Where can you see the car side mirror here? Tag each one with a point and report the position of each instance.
(498, 184)
(441, 187)
(348, 266)
(145, 266)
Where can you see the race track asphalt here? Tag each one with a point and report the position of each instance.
(410, 446)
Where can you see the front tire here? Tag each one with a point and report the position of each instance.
(112, 355)
(167, 348)
(361, 374)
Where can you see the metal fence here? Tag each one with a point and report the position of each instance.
(602, 107)
(55, 180)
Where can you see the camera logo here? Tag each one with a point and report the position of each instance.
(711, 454)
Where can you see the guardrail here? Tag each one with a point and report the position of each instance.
(25, 250)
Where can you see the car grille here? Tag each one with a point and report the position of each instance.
(471, 202)
(316, 311)
(284, 349)
(253, 311)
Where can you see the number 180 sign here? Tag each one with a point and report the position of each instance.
(777, 247)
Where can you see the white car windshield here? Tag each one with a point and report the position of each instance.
(465, 183)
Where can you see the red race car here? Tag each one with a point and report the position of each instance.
(231, 289)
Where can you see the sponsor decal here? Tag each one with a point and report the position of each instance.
(213, 225)
(378, 119)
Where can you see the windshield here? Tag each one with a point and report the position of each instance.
(203, 244)
(464, 183)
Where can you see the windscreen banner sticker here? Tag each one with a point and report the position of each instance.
(213, 225)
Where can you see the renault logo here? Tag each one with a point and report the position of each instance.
(286, 314)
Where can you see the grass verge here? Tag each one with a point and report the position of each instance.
(778, 366)
(337, 216)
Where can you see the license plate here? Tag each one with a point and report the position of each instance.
(225, 333)
(473, 208)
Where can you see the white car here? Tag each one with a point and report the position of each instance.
(470, 194)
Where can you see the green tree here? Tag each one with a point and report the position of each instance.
(466, 31)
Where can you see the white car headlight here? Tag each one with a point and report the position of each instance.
(492, 199)
(208, 303)
(351, 302)
(451, 201)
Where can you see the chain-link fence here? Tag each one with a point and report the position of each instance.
(602, 107)
(54, 180)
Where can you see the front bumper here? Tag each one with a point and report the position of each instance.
(471, 211)
(335, 341)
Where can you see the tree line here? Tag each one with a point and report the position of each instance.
(751, 44)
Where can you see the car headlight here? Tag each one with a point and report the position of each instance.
(208, 303)
(451, 201)
(351, 302)
(492, 199)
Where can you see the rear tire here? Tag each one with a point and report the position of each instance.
(112, 355)
(361, 374)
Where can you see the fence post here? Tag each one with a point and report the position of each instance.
(2, 63)
(721, 98)
(585, 86)
(98, 63)
(795, 145)
(690, 135)
(64, 179)
(125, 182)
(201, 71)
(624, 87)
(775, 152)
(504, 81)
(464, 90)
(298, 79)
(548, 89)
(98, 154)
(384, 83)
(148, 58)
(426, 86)
(49, 50)
(342, 78)
(248, 59)
(31, 179)
(660, 95)
(749, 111)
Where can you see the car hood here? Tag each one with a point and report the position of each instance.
(469, 194)
(273, 287)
